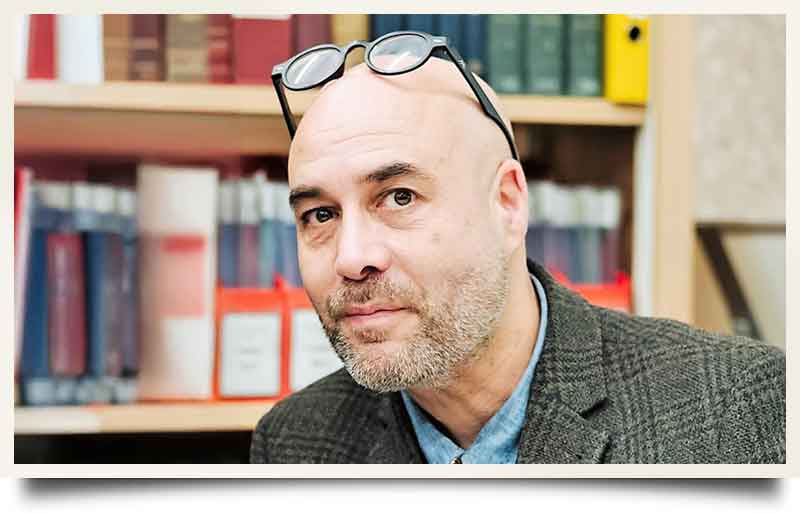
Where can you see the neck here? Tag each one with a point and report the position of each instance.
(486, 382)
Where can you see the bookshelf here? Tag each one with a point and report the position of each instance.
(198, 120)
(141, 418)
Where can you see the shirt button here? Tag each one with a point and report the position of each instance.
(457, 460)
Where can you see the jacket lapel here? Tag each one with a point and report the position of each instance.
(396, 441)
(568, 384)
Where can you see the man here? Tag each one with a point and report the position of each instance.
(411, 213)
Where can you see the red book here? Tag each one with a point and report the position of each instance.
(310, 30)
(42, 46)
(259, 44)
(220, 48)
(65, 305)
(147, 47)
(22, 222)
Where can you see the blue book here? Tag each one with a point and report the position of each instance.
(267, 256)
(126, 388)
(227, 236)
(103, 269)
(473, 43)
(287, 264)
(449, 25)
(37, 384)
(381, 24)
(421, 23)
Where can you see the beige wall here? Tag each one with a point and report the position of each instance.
(739, 141)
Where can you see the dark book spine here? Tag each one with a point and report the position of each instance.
(474, 42)
(220, 48)
(35, 377)
(421, 23)
(584, 54)
(450, 26)
(66, 316)
(504, 37)
(381, 24)
(147, 47)
(116, 46)
(543, 54)
(260, 44)
(186, 47)
(310, 30)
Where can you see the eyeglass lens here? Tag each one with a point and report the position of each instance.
(313, 67)
(391, 55)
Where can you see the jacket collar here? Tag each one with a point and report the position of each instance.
(569, 384)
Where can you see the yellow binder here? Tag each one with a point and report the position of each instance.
(627, 48)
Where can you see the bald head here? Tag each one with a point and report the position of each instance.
(430, 113)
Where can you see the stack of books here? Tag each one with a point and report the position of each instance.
(542, 54)
(574, 231)
(257, 233)
(77, 283)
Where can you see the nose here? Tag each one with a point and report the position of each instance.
(361, 250)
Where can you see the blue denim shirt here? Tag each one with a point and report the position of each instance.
(498, 440)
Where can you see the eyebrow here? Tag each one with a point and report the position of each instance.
(382, 174)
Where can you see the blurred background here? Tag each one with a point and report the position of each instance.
(159, 310)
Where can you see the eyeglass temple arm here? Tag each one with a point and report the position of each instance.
(287, 111)
(486, 104)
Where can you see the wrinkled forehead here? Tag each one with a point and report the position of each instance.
(365, 120)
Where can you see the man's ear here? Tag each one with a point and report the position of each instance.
(512, 199)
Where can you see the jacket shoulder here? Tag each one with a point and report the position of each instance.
(324, 422)
(685, 394)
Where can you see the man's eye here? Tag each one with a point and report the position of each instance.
(317, 216)
(400, 197)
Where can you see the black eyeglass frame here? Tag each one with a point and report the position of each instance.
(437, 47)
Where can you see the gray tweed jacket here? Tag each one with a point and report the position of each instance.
(608, 388)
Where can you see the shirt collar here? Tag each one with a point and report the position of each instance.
(498, 440)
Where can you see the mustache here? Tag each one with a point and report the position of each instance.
(372, 288)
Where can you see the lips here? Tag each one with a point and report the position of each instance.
(367, 310)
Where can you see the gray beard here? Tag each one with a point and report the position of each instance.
(453, 331)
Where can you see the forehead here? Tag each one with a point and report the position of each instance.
(338, 145)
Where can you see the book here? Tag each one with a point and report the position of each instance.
(610, 212)
(66, 308)
(311, 356)
(228, 234)
(177, 275)
(310, 30)
(79, 44)
(23, 212)
(584, 54)
(249, 227)
(220, 48)
(260, 42)
(147, 47)
(104, 256)
(22, 28)
(125, 389)
(450, 26)
(381, 24)
(186, 41)
(626, 52)
(267, 254)
(543, 53)
(421, 23)
(37, 386)
(504, 52)
(42, 46)
(474, 43)
(116, 46)
(349, 27)
(287, 265)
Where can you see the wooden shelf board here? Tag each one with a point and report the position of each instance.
(141, 417)
(200, 120)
